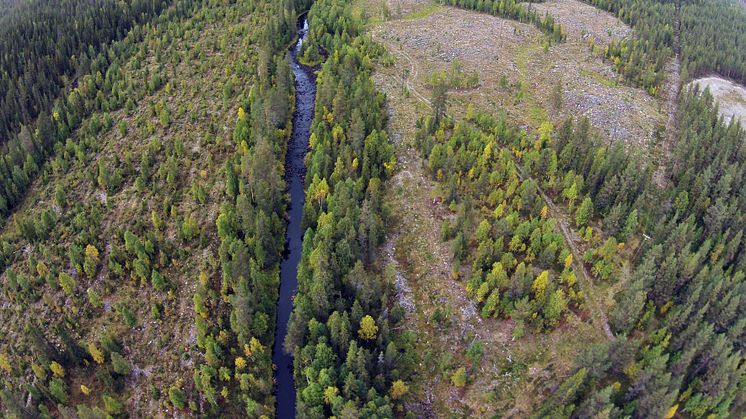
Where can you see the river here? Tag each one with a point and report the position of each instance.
(295, 169)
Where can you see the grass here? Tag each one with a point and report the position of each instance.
(536, 113)
(599, 78)
(424, 12)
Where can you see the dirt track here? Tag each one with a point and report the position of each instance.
(597, 313)
(672, 86)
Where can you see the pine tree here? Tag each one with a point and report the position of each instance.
(177, 397)
(119, 364)
(67, 283)
(458, 379)
(368, 328)
(159, 283)
(584, 213)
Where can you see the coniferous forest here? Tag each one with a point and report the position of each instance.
(60, 61)
(472, 243)
(708, 37)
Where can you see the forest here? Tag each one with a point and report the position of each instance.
(50, 84)
(37, 64)
(712, 39)
(641, 59)
(521, 267)
(679, 325)
(707, 36)
(144, 211)
(235, 316)
(119, 273)
(349, 361)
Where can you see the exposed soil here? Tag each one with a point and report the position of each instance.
(671, 86)
(397, 8)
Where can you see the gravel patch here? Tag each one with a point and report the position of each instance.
(730, 96)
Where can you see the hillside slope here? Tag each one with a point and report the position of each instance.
(103, 257)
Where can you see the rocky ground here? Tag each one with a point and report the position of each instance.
(581, 21)
(518, 73)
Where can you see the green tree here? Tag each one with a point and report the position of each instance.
(120, 364)
(60, 198)
(67, 283)
(122, 127)
(177, 397)
(165, 117)
(157, 281)
(368, 328)
(554, 308)
(231, 180)
(458, 379)
(475, 352)
(58, 389)
(584, 213)
(439, 99)
(93, 298)
(112, 405)
(571, 194)
(127, 315)
(630, 225)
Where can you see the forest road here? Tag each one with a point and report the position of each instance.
(672, 87)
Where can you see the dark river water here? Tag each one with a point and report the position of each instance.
(295, 169)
